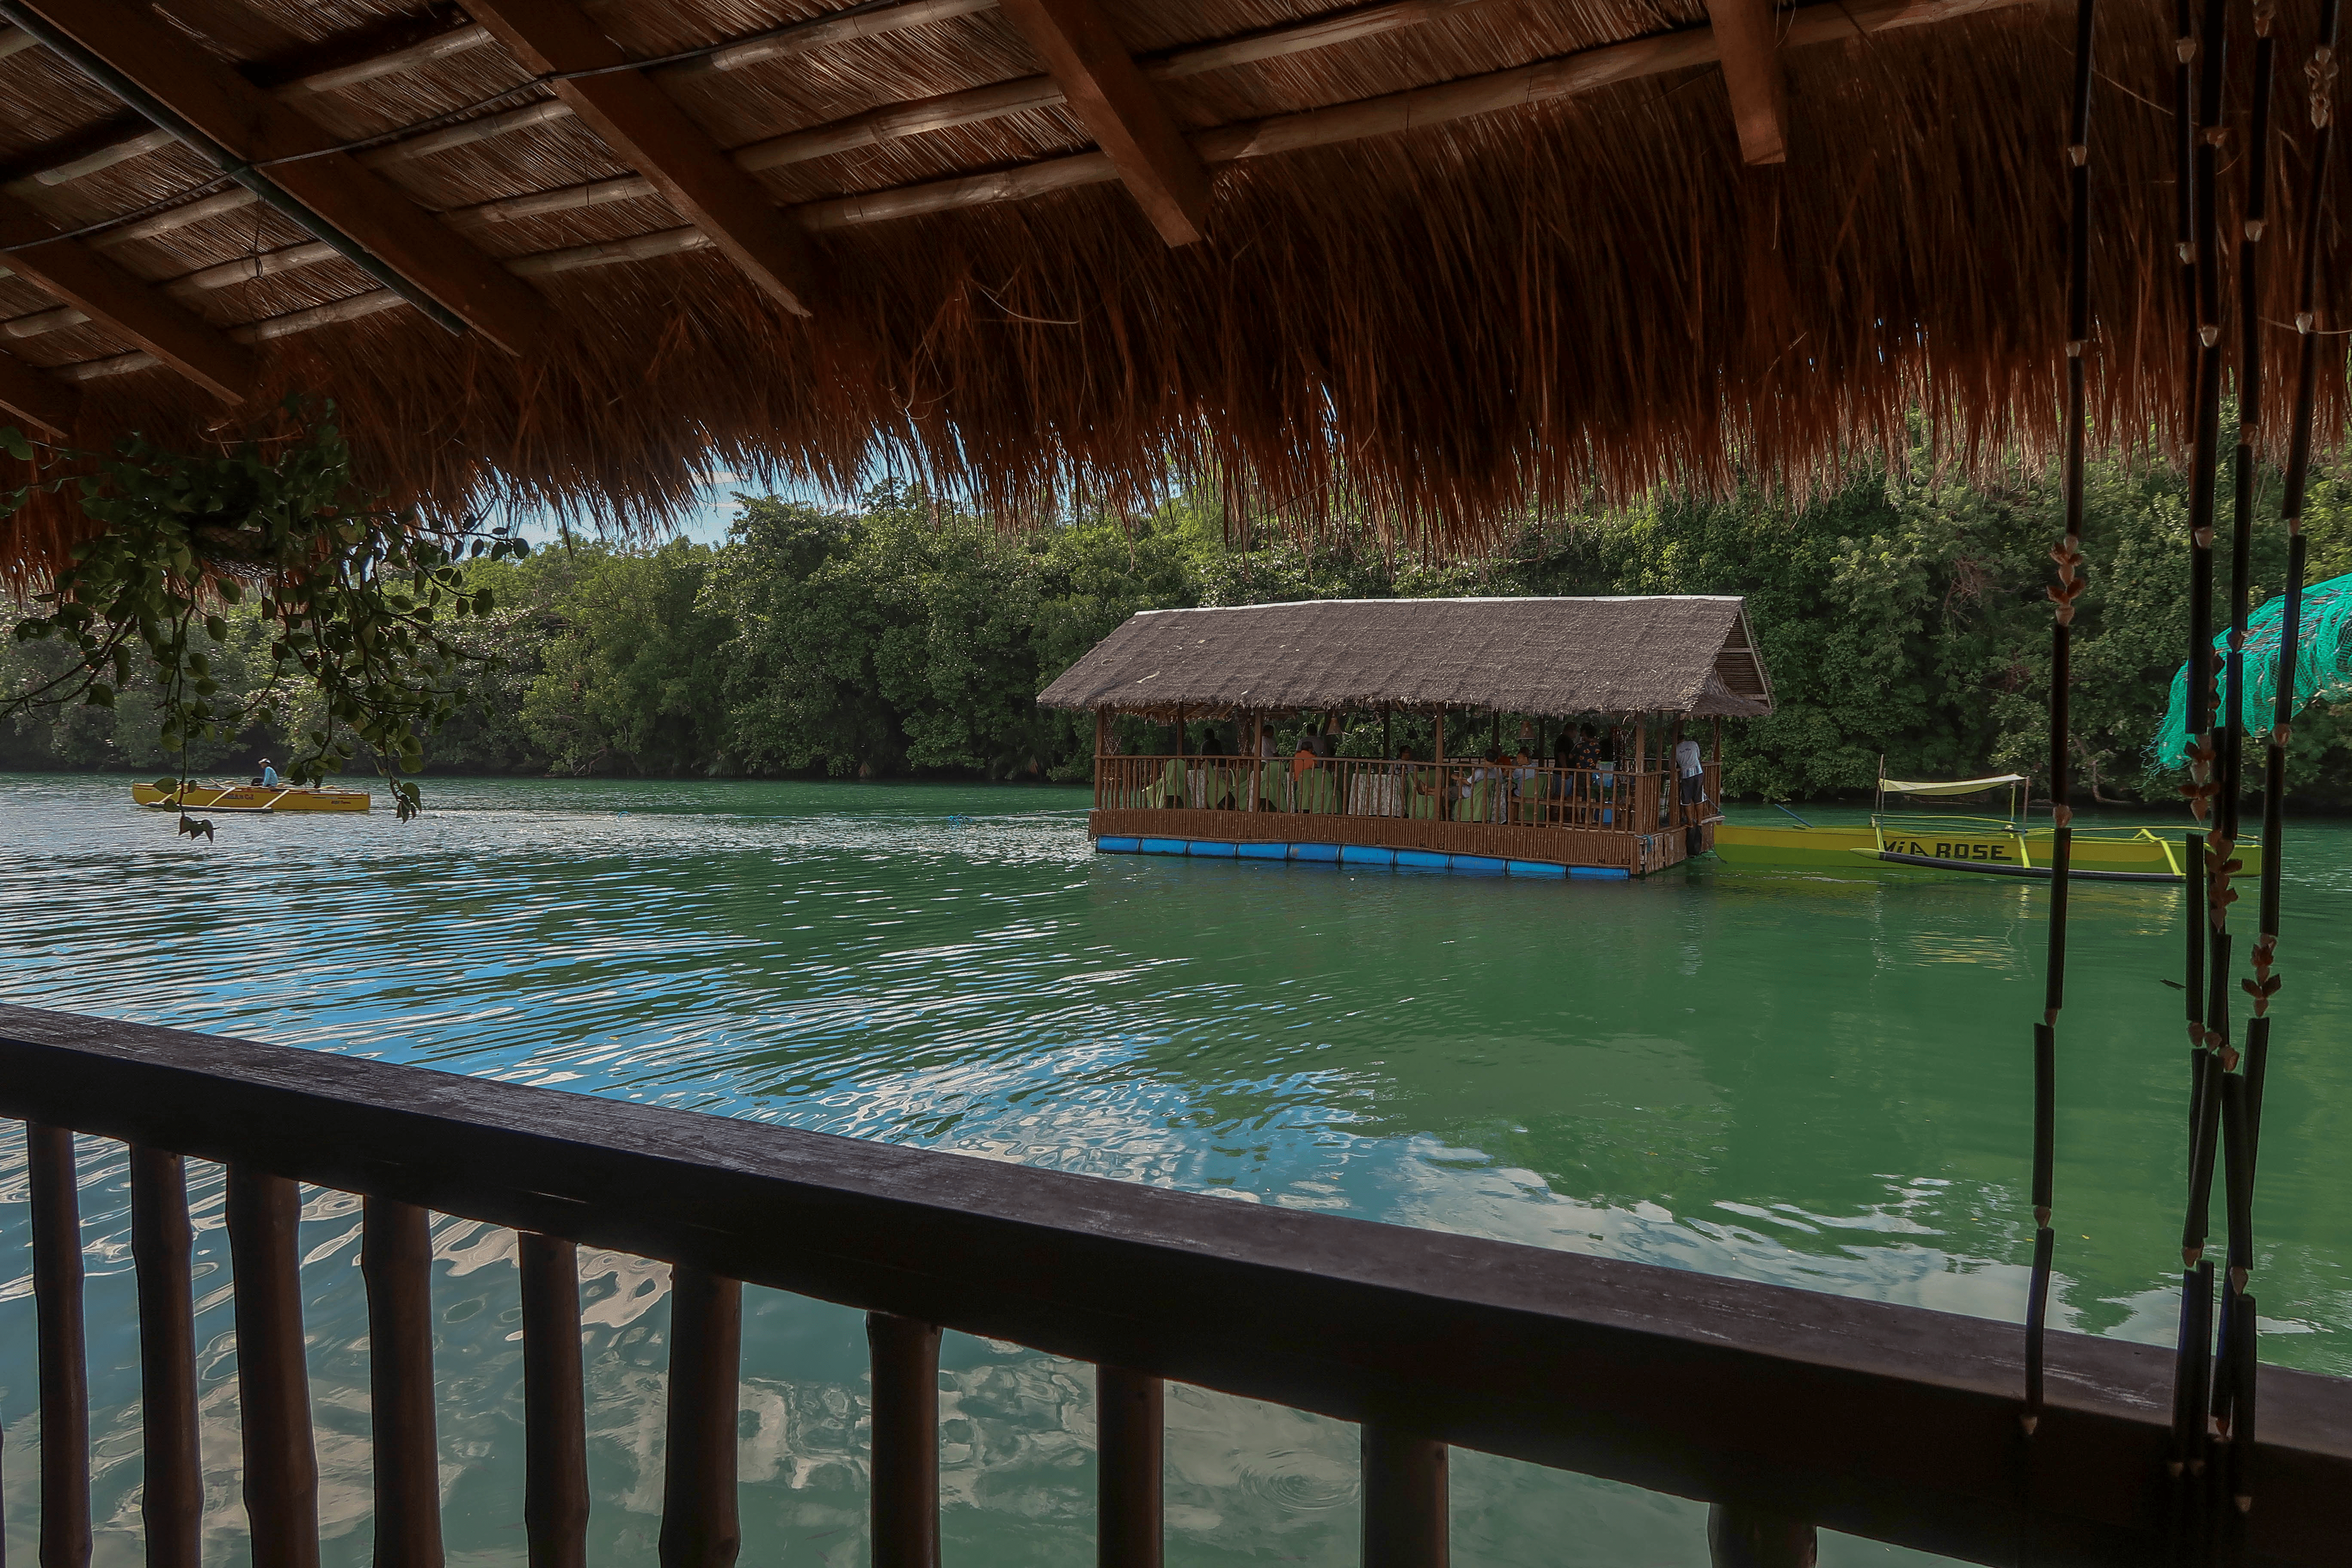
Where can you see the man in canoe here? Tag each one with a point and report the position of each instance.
(269, 779)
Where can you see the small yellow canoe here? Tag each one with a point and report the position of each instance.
(247, 797)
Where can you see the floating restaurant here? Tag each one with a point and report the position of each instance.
(1553, 723)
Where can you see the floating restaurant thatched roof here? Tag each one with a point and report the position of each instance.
(1688, 655)
(1456, 257)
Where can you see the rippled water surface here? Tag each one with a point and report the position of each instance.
(1815, 1080)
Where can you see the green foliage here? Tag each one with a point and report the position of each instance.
(353, 602)
(1902, 616)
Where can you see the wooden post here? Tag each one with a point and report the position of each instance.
(1645, 808)
(906, 1455)
(1679, 817)
(1440, 737)
(1405, 1504)
(273, 1376)
(698, 1527)
(63, 1352)
(1388, 745)
(554, 1432)
(171, 1487)
(396, 1259)
(1740, 1537)
(1130, 1427)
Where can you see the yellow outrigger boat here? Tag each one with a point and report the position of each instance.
(2005, 846)
(165, 796)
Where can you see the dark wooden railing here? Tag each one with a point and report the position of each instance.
(1787, 1409)
(1508, 793)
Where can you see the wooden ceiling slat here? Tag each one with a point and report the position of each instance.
(653, 135)
(1108, 92)
(251, 125)
(114, 299)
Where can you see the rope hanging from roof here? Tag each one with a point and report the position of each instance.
(2280, 679)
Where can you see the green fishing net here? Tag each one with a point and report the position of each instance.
(2323, 664)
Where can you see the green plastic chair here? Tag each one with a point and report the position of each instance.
(1274, 785)
(1421, 795)
(1318, 792)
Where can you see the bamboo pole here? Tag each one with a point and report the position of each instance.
(2062, 594)
(2200, 105)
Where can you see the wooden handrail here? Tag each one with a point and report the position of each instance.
(1886, 1421)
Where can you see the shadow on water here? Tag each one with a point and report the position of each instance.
(1816, 1081)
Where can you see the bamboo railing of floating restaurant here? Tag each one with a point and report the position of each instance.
(1787, 1409)
(1629, 819)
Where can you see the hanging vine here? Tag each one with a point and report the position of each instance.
(357, 598)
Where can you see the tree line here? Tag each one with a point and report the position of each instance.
(1902, 614)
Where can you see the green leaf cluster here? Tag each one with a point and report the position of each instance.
(354, 603)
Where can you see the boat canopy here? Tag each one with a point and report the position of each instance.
(1956, 786)
(1685, 654)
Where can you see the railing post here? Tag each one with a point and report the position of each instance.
(706, 1368)
(273, 1378)
(906, 1455)
(1405, 1501)
(555, 1433)
(1130, 1435)
(171, 1487)
(64, 1354)
(396, 1261)
(1739, 1537)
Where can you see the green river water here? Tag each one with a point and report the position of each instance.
(1821, 1081)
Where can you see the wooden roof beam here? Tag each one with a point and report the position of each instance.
(1750, 51)
(1107, 90)
(248, 123)
(653, 135)
(115, 299)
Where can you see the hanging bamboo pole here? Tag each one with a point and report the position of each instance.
(2192, 1364)
(2068, 588)
(2230, 730)
(2321, 72)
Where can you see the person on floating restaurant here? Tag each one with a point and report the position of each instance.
(1693, 769)
(1689, 763)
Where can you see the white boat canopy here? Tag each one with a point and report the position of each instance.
(1958, 786)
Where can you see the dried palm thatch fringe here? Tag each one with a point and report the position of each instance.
(1440, 328)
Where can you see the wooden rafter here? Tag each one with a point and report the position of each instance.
(37, 397)
(1109, 93)
(253, 125)
(652, 134)
(105, 293)
(1750, 48)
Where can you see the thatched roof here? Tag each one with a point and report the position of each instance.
(1683, 654)
(1457, 255)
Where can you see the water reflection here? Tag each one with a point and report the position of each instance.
(1809, 1079)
